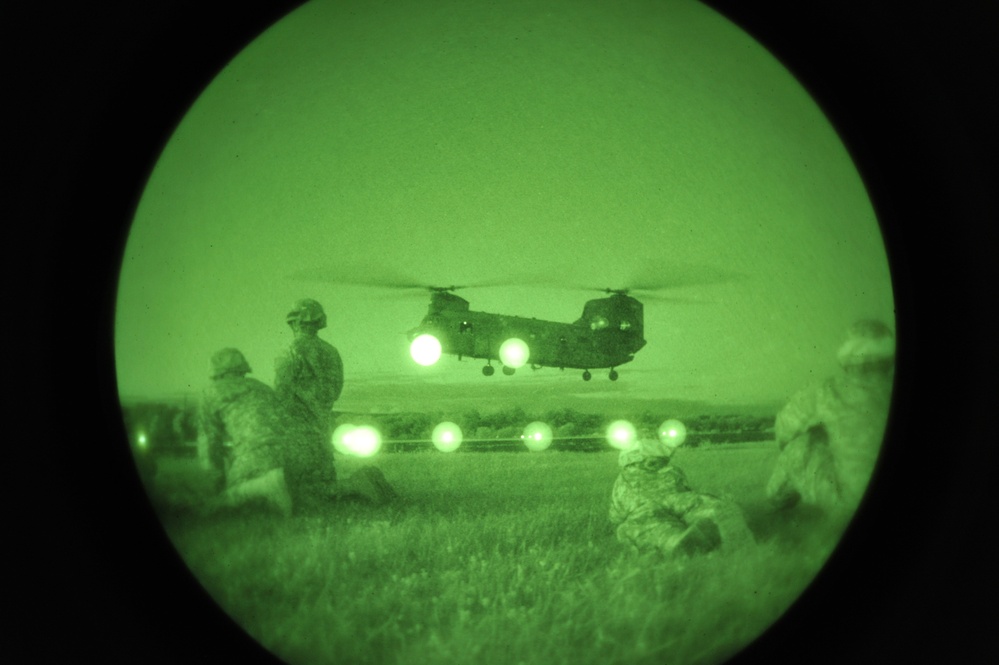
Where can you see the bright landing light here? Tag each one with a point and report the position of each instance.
(621, 434)
(425, 349)
(514, 353)
(361, 441)
(446, 437)
(537, 436)
(672, 433)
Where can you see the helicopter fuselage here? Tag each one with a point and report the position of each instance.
(608, 334)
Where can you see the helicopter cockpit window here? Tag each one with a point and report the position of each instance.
(599, 323)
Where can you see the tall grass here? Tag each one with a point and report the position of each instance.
(500, 558)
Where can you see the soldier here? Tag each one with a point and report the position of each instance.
(244, 413)
(829, 436)
(655, 509)
(308, 380)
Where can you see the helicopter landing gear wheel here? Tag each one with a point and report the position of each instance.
(613, 375)
(488, 370)
(508, 370)
(587, 376)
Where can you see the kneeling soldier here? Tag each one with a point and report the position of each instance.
(654, 507)
(243, 413)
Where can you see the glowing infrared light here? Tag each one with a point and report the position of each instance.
(621, 434)
(362, 441)
(142, 440)
(672, 433)
(425, 349)
(446, 437)
(339, 438)
(537, 436)
(514, 353)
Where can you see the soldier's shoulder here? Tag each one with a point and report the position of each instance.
(231, 388)
(805, 399)
(309, 345)
(327, 347)
(301, 351)
(326, 353)
(257, 386)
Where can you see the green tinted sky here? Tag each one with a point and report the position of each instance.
(463, 140)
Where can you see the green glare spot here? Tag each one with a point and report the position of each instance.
(446, 437)
(672, 432)
(621, 434)
(142, 440)
(363, 441)
(537, 436)
(339, 438)
(425, 349)
(514, 353)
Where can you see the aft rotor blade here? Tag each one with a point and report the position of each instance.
(677, 300)
(679, 275)
(648, 278)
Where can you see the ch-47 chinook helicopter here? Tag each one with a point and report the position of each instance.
(608, 334)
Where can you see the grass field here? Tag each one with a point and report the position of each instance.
(499, 558)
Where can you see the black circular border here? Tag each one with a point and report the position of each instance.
(907, 86)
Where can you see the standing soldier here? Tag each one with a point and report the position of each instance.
(308, 380)
(655, 509)
(829, 437)
(243, 413)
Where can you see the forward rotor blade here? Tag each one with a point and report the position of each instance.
(381, 277)
(354, 275)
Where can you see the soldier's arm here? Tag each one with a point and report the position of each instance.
(679, 503)
(618, 512)
(211, 435)
(674, 493)
(285, 371)
(337, 375)
(679, 478)
(798, 416)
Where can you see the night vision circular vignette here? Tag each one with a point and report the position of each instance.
(633, 212)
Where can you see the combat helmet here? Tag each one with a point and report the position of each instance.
(229, 361)
(307, 311)
(868, 342)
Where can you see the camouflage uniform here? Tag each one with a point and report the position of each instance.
(829, 437)
(308, 380)
(245, 413)
(655, 508)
